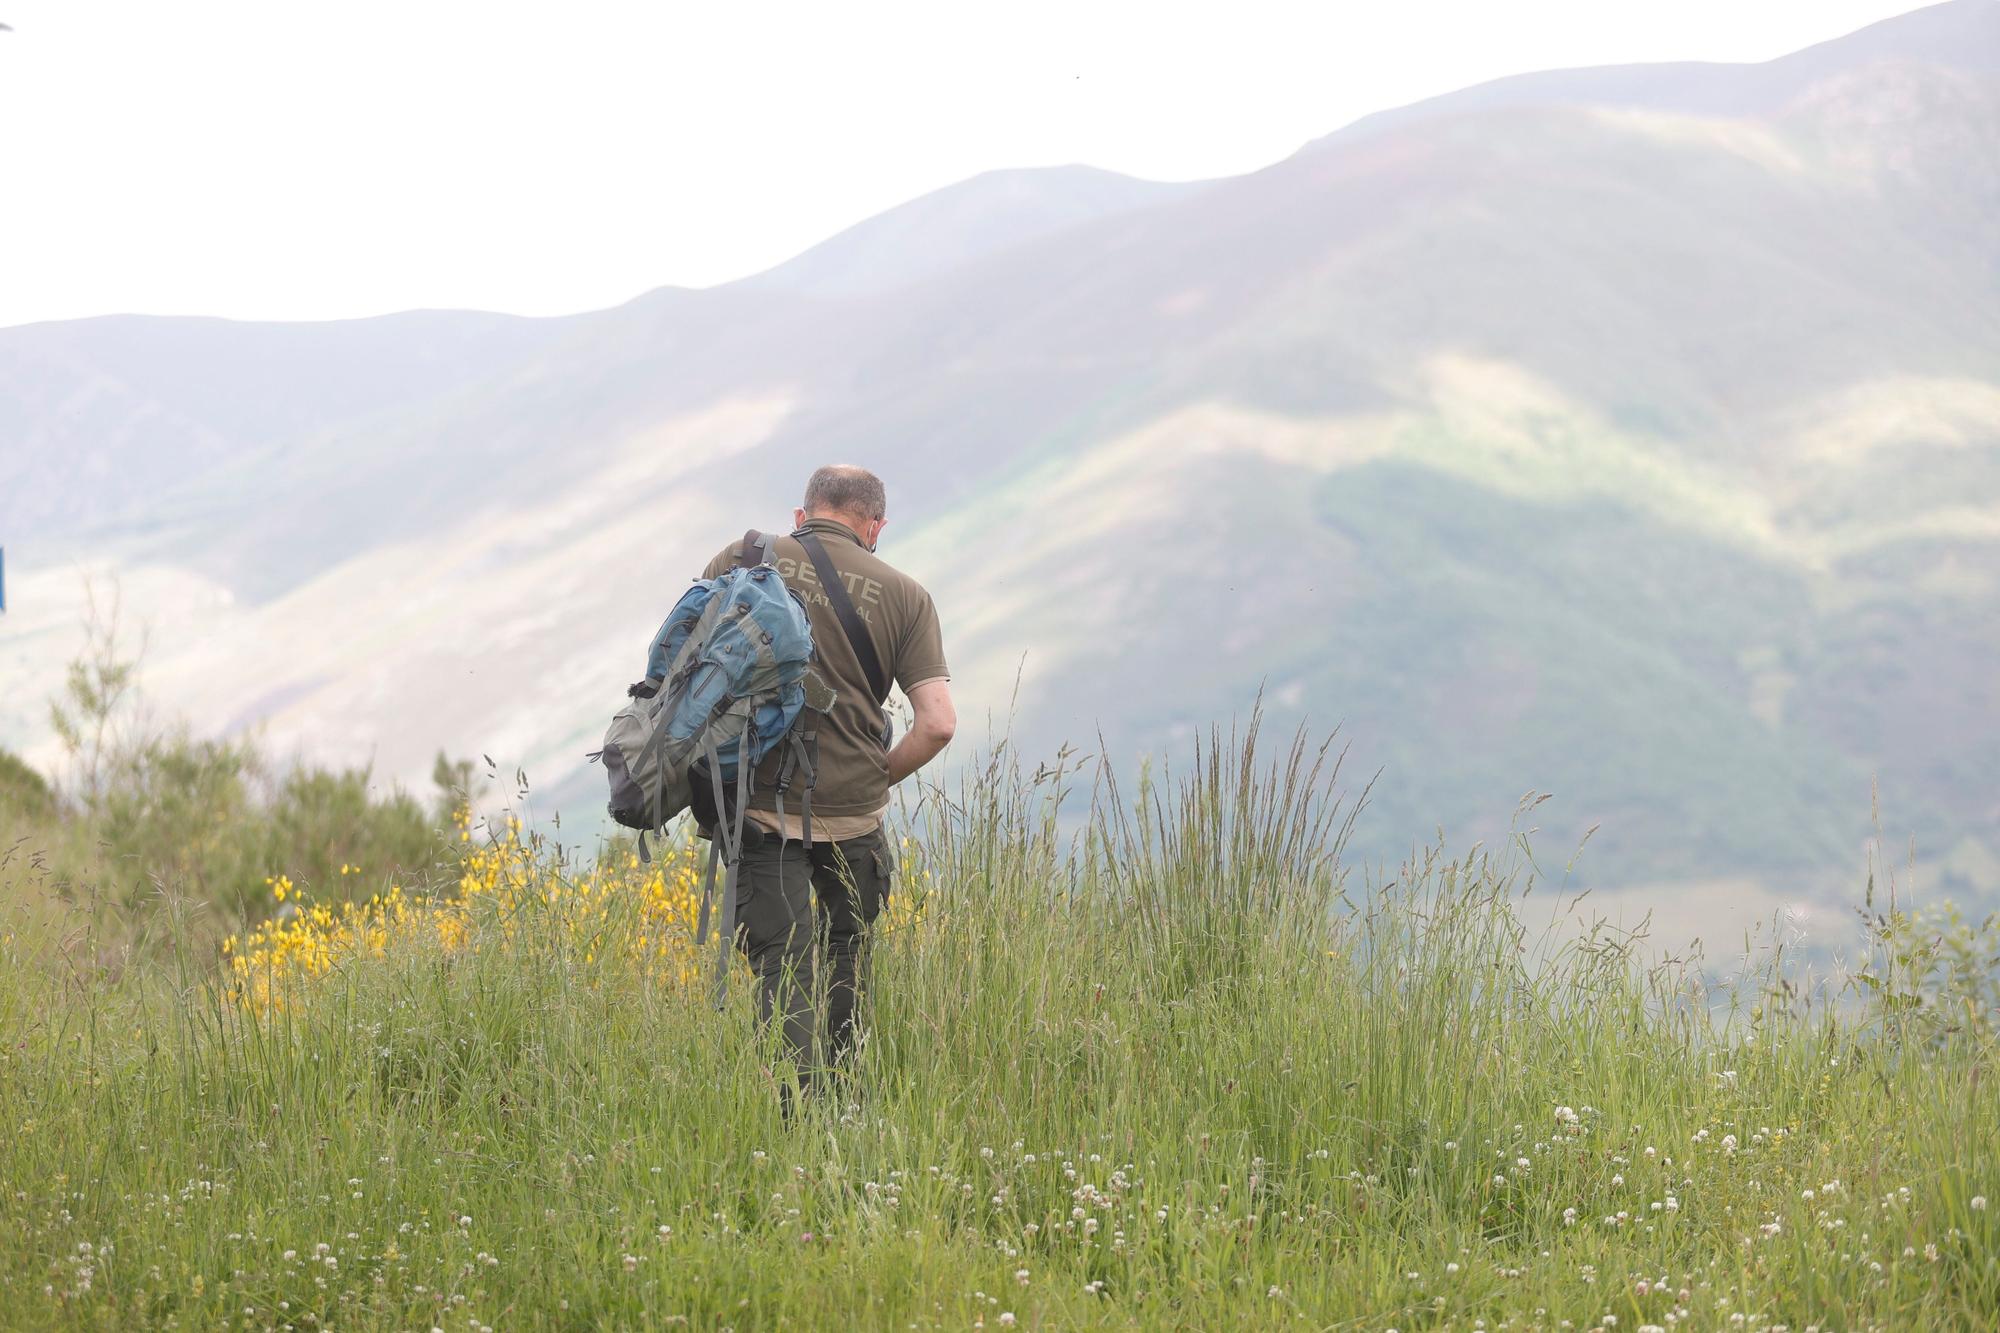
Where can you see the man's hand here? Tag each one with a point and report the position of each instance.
(930, 733)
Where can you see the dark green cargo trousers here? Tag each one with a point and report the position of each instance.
(802, 918)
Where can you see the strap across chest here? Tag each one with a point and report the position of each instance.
(843, 609)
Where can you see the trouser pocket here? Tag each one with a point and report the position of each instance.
(855, 878)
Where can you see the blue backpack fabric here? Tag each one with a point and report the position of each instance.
(725, 686)
(734, 657)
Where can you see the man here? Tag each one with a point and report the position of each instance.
(796, 903)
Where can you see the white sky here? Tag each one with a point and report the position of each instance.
(283, 159)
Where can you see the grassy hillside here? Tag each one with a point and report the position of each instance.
(1194, 1076)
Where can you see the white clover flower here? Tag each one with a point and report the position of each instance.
(1728, 1143)
(1979, 1203)
(631, 1263)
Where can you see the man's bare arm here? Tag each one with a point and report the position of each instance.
(935, 722)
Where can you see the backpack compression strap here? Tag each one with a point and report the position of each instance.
(728, 837)
(850, 619)
(801, 745)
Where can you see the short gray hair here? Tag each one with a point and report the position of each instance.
(845, 489)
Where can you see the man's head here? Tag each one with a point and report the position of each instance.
(848, 495)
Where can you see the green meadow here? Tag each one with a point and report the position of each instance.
(1165, 1065)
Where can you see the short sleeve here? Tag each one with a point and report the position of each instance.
(920, 653)
(725, 560)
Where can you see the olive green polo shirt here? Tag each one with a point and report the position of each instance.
(853, 785)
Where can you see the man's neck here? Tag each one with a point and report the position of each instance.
(834, 525)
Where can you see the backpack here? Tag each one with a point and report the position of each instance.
(725, 686)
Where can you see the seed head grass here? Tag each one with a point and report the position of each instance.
(1140, 1056)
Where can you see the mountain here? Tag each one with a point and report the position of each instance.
(1604, 441)
(1963, 37)
(960, 223)
(100, 415)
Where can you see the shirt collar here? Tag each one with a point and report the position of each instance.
(832, 527)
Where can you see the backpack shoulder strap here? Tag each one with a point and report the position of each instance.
(755, 551)
(843, 610)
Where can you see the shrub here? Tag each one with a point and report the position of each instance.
(25, 795)
(156, 814)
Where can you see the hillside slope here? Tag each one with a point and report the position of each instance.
(991, 212)
(1583, 444)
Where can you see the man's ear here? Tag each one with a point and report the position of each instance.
(798, 519)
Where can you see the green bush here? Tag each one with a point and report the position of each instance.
(156, 816)
(208, 819)
(25, 795)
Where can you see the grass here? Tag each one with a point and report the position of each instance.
(1176, 1072)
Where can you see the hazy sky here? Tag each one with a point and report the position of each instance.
(281, 159)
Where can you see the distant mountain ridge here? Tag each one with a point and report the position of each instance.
(1598, 446)
(103, 414)
(1962, 36)
(960, 223)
